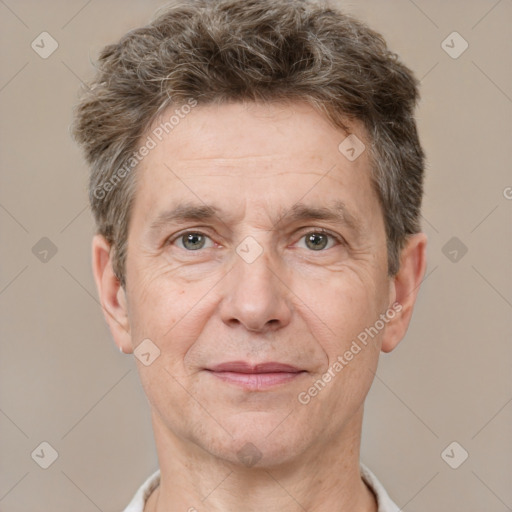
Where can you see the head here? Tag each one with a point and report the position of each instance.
(256, 180)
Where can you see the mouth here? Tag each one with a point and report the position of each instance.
(255, 377)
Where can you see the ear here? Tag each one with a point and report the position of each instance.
(112, 294)
(404, 289)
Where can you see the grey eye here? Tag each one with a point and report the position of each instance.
(193, 241)
(316, 241)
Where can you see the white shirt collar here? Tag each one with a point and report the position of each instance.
(384, 502)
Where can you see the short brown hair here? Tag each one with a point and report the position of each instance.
(252, 50)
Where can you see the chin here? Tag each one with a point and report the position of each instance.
(258, 444)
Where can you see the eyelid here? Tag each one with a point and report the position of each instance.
(323, 231)
(199, 231)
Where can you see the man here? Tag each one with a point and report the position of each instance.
(256, 179)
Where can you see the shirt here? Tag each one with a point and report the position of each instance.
(384, 502)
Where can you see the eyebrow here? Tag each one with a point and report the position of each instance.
(337, 213)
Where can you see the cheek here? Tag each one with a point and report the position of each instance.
(339, 307)
(162, 308)
(352, 304)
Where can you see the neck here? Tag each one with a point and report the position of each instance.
(324, 478)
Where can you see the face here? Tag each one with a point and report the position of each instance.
(254, 240)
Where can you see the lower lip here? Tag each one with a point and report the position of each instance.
(257, 381)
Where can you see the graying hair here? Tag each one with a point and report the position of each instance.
(218, 51)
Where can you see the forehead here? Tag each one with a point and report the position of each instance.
(243, 130)
(246, 155)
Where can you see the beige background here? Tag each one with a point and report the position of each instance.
(64, 382)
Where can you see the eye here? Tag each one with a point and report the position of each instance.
(318, 240)
(191, 240)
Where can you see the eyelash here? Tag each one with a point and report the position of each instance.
(311, 231)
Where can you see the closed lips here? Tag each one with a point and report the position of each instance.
(244, 367)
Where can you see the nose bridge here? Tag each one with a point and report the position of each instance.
(255, 295)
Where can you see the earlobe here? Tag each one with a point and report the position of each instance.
(111, 293)
(405, 284)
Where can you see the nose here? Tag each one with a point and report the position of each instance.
(255, 295)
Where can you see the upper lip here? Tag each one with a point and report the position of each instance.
(244, 367)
